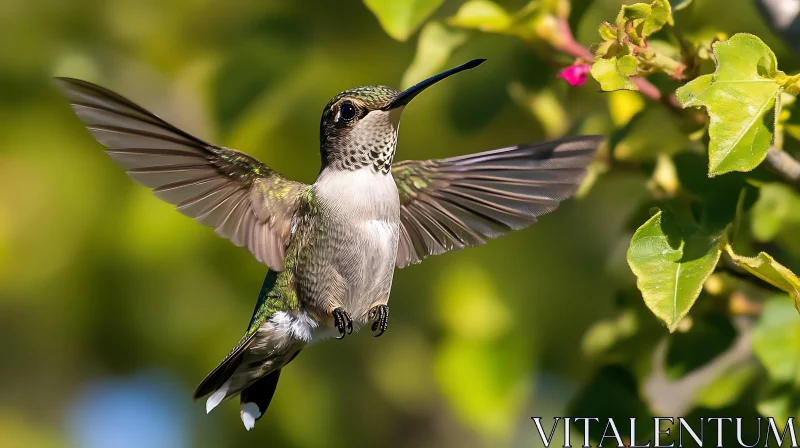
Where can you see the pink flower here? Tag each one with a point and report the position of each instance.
(575, 75)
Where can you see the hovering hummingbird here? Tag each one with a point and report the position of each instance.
(331, 247)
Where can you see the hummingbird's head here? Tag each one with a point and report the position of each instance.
(359, 126)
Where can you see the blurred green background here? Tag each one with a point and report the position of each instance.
(113, 306)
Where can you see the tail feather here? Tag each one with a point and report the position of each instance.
(218, 396)
(256, 398)
(253, 376)
(220, 376)
(252, 368)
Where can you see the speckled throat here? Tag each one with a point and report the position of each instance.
(371, 143)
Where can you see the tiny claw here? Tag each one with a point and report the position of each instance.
(380, 315)
(343, 322)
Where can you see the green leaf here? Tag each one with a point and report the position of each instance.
(483, 15)
(607, 31)
(400, 18)
(740, 98)
(766, 268)
(661, 14)
(776, 340)
(640, 20)
(435, 45)
(726, 389)
(603, 335)
(615, 73)
(632, 12)
(605, 49)
(776, 215)
(777, 208)
(671, 262)
(615, 62)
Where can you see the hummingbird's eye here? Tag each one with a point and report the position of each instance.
(347, 111)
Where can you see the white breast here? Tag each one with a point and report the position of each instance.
(363, 210)
(382, 232)
(364, 192)
(380, 240)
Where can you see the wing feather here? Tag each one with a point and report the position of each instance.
(244, 200)
(449, 204)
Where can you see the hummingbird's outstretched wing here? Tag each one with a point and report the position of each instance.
(449, 204)
(244, 200)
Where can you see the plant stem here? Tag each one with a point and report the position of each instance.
(573, 48)
(786, 166)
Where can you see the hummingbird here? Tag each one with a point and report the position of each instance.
(331, 247)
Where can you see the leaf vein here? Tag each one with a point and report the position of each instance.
(761, 112)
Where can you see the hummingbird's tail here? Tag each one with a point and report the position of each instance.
(252, 368)
(251, 371)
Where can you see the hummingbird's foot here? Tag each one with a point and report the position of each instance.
(380, 315)
(343, 322)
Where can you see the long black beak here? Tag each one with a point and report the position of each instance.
(407, 95)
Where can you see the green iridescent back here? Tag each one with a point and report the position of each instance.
(279, 291)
